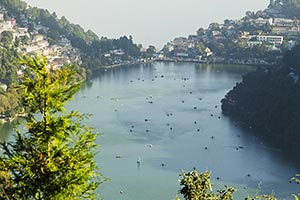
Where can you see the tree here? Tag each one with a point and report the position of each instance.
(250, 14)
(6, 38)
(151, 50)
(214, 26)
(25, 39)
(4, 104)
(272, 3)
(17, 42)
(201, 32)
(201, 47)
(197, 186)
(53, 159)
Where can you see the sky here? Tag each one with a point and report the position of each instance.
(150, 22)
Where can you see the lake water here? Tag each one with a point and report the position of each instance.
(168, 116)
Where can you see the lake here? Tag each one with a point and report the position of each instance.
(168, 116)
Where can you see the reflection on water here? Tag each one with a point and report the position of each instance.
(158, 119)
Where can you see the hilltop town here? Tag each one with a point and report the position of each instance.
(258, 38)
(31, 42)
(28, 41)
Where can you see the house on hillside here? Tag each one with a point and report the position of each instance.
(253, 42)
(182, 55)
(282, 22)
(262, 21)
(273, 39)
(217, 35)
(294, 31)
(280, 30)
(208, 52)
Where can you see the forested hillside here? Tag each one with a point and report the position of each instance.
(289, 8)
(268, 100)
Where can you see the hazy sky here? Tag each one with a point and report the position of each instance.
(148, 21)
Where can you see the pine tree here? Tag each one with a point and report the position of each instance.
(53, 158)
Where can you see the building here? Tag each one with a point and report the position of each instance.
(294, 31)
(270, 39)
(208, 52)
(253, 43)
(283, 22)
(182, 55)
(281, 30)
(262, 21)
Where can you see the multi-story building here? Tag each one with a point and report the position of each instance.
(274, 39)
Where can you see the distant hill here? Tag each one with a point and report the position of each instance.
(268, 100)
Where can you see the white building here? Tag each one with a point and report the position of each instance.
(254, 43)
(270, 39)
(283, 22)
(262, 21)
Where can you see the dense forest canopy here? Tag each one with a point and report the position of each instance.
(290, 8)
(268, 100)
(292, 59)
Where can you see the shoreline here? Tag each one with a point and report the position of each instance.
(182, 61)
(124, 64)
(204, 62)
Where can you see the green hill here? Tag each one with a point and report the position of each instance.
(268, 100)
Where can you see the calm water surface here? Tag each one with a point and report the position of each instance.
(169, 117)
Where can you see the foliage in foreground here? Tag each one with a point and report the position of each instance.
(53, 158)
(197, 186)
